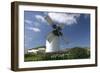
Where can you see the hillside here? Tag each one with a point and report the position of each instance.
(73, 53)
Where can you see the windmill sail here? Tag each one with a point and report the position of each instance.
(49, 20)
(50, 37)
(64, 39)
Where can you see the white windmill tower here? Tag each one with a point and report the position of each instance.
(53, 38)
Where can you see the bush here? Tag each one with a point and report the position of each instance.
(78, 53)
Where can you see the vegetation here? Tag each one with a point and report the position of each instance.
(73, 53)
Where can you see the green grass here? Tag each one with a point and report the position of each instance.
(74, 53)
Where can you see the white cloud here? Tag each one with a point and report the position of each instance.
(40, 18)
(34, 29)
(64, 18)
(28, 21)
(35, 23)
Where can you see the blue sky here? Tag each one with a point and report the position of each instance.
(76, 28)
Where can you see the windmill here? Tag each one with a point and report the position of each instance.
(53, 38)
